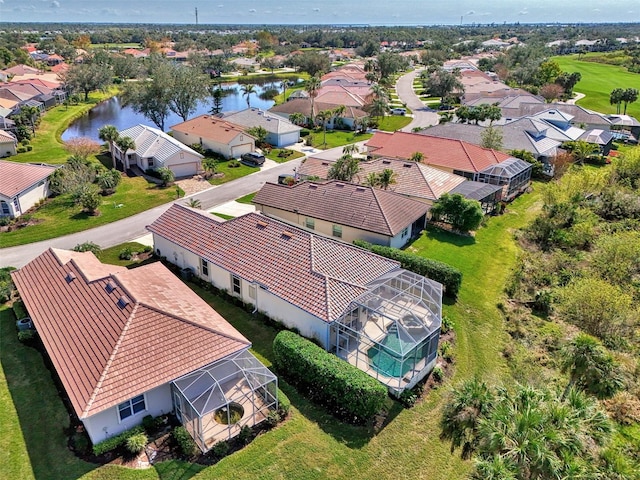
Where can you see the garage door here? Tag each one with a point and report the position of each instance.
(238, 150)
(185, 169)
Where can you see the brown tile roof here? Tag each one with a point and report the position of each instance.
(17, 177)
(303, 105)
(21, 70)
(317, 274)
(346, 204)
(439, 152)
(114, 333)
(207, 126)
(412, 179)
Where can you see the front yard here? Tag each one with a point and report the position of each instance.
(337, 138)
(311, 444)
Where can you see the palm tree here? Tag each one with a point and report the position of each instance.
(297, 118)
(247, 90)
(284, 84)
(616, 98)
(630, 95)
(351, 149)
(582, 150)
(109, 134)
(386, 178)
(380, 92)
(323, 117)
(378, 108)
(125, 144)
(372, 180)
(338, 112)
(345, 169)
(312, 86)
(417, 157)
(194, 203)
(590, 367)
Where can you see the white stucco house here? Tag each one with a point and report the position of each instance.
(377, 316)
(130, 343)
(22, 185)
(155, 149)
(8, 143)
(280, 131)
(212, 133)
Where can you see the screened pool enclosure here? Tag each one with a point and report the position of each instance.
(392, 330)
(215, 402)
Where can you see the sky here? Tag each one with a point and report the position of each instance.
(354, 12)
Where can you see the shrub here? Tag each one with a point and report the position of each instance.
(408, 398)
(186, 445)
(273, 417)
(21, 149)
(19, 309)
(126, 253)
(26, 336)
(233, 164)
(165, 175)
(116, 441)
(29, 148)
(438, 374)
(447, 325)
(6, 284)
(245, 435)
(136, 443)
(344, 389)
(448, 276)
(446, 351)
(284, 404)
(88, 247)
(220, 449)
(152, 424)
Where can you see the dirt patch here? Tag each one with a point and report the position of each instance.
(193, 185)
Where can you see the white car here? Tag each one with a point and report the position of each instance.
(398, 111)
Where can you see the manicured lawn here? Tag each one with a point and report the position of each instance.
(312, 444)
(248, 199)
(231, 173)
(112, 255)
(224, 216)
(47, 146)
(59, 216)
(391, 123)
(597, 82)
(337, 138)
(274, 155)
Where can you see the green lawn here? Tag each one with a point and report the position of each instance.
(337, 138)
(112, 255)
(248, 199)
(311, 444)
(47, 145)
(231, 173)
(391, 123)
(59, 216)
(597, 82)
(274, 155)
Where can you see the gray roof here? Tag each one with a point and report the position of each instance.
(623, 120)
(254, 117)
(507, 169)
(154, 143)
(579, 114)
(476, 190)
(597, 135)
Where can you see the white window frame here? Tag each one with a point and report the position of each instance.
(310, 223)
(233, 285)
(150, 162)
(405, 232)
(336, 231)
(204, 267)
(129, 404)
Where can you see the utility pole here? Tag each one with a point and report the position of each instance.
(196, 16)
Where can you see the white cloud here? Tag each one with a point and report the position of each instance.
(523, 12)
(252, 10)
(55, 4)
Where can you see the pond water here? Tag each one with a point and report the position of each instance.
(111, 112)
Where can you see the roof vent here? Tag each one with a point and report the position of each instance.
(407, 165)
(386, 162)
(111, 286)
(360, 189)
(123, 301)
(262, 224)
(313, 186)
(287, 235)
(326, 164)
(339, 184)
(70, 277)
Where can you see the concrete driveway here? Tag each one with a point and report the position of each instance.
(423, 116)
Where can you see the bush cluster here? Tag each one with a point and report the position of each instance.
(448, 276)
(345, 390)
(184, 441)
(116, 441)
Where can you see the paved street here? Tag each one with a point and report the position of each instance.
(422, 115)
(134, 227)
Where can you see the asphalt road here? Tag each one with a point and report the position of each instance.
(133, 227)
(423, 116)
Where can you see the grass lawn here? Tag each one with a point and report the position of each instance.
(274, 155)
(597, 82)
(337, 138)
(248, 199)
(231, 173)
(311, 444)
(59, 216)
(391, 123)
(112, 255)
(47, 145)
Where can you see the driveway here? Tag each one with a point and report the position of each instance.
(133, 227)
(423, 116)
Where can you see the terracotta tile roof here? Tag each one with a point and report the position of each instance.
(348, 204)
(303, 105)
(412, 179)
(35, 81)
(21, 70)
(208, 126)
(439, 152)
(114, 333)
(316, 274)
(17, 177)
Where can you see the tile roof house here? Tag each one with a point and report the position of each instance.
(345, 210)
(22, 185)
(221, 136)
(306, 281)
(454, 156)
(280, 131)
(303, 106)
(8, 143)
(122, 341)
(155, 149)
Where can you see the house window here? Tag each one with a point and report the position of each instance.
(131, 407)
(337, 231)
(235, 285)
(150, 162)
(405, 232)
(5, 208)
(310, 223)
(204, 267)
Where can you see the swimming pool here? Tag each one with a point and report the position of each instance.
(387, 360)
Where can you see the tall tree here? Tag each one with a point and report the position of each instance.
(463, 214)
(247, 90)
(311, 87)
(297, 118)
(345, 169)
(125, 144)
(86, 77)
(109, 134)
(443, 84)
(152, 98)
(492, 138)
(188, 89)
(386, 178)
(615, 98)
(323, 118)
(630, 95)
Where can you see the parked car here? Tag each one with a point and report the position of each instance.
(398, 111)
(253, 159)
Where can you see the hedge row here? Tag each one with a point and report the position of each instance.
(448, 276)
(348, 392)
(117, 441)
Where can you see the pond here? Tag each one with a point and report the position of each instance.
(111, 112)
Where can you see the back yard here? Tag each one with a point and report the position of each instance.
(311, 444)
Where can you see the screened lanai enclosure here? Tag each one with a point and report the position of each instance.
(513, 174)
(391, 331)
(215, 402)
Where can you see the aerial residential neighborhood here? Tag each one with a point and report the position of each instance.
(251, 249)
